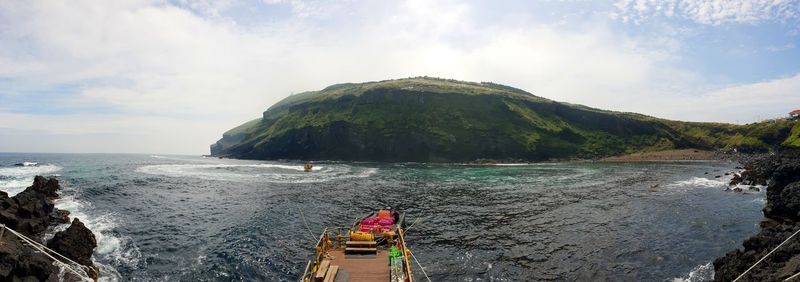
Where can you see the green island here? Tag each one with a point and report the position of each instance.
(426, 119)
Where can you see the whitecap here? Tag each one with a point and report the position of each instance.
(110, 246)
(703, 272)
(18, 171)
(699, 182)
(15, 179)
(279, 173)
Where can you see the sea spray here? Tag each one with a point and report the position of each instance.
(111, 247)
(704, 272)
(16, 178)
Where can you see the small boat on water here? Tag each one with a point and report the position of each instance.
(373, 249)
(308, 167)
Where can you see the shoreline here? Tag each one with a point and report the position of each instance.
(654, 156)
(32, 213)
(666, 155)
(781, 218)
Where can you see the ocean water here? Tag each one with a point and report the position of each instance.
(186, 218)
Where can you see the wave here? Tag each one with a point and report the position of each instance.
(700, 182)
(721, 183)
(703, 272)
(28, 170)
(111, 247)
(15, 179)
(278, 173)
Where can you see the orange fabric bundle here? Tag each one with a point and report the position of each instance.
(384, 214)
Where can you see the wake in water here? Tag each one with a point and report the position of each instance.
(276, 173)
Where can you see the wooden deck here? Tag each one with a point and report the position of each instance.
(361, 268)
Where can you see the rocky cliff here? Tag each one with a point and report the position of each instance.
(31, 213)
(781, 172)
(428, 120)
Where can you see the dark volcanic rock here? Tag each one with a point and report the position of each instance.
(782, 173)
(62, 216)
(19, 263)
(30, 213)
(77, 243)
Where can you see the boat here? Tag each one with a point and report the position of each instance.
(308, 167)
(373, 249)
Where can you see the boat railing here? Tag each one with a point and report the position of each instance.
(324, 244)
(313, 264)
(405, 253)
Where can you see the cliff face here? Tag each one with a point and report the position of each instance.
(782, 214)
(424, 119)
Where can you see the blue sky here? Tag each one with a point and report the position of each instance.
(170, 76)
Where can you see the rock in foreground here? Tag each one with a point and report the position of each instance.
(782, 214)
(77, 243)
(30, 213)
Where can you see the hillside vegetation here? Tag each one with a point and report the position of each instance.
(428, 119)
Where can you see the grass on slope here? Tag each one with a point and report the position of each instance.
(417, 84)
(449, 114)
(794, 136)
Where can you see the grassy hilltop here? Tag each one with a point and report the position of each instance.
(428, 119)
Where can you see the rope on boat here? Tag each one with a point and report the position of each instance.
(46, 251)
(412, 224)
(419, 264)
(306, 223)
(770, 252)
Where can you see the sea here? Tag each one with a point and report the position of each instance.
(192, 218)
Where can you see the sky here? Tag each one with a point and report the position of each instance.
(169, 77)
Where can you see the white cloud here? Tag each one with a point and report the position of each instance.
(713, 12)
(177, 78)
(740, 103)
(105, 133)
(787, 46)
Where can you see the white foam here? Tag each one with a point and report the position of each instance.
(15, 179)
(700, 182)
(279, 173)
(704, 272)
(17, 171)
(109, 246)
